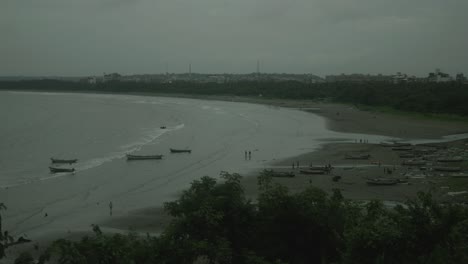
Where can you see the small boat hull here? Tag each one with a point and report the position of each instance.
(64, 161)
(312, 172)
(57, 170)
(144, 157)
(447, 169)
(181, 150)
(358, 157)
(382, 182)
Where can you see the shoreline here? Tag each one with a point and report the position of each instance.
(344, 118)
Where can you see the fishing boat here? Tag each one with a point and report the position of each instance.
(459, 175)
(56, 170)
(414, 162)
(67, 161)
(402, 148)
(382, 181)
(358, 157)
(447, 169)
(181, 150)
(278, 174)
(312, 171)
(454, 159)
(144, 157)
(394, 145)
(324, 168)
(406, 155)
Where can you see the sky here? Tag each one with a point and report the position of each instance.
(322, 37)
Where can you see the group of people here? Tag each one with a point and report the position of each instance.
(362, 141)
(249, 157)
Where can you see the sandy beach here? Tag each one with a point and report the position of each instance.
(354, 173)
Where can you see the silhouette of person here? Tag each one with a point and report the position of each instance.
(246, 155)
(110, 208)
(250, 155)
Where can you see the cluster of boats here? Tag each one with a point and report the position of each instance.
(156, 157)
(57, 167)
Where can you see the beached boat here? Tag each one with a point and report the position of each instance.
(358, 157)
(144, 157)
(67, 161)
(459, 175)
(56, 170)
(394, 145)
(402, 148)
(414, 162)
(163, 127)
(181, 150)
(454, 159)
(312, 171)
(406, 155)
(447, 169)
(382, 181)
(279, 174)
(324, 168)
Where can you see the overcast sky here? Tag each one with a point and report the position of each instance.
(89, 37)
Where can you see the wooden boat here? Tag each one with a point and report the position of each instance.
(144, 157)
(447, 169)
(394, 145)
(324, 168)
(278, 174)
(181, 150)
(459, 175)
(67, 161)
(312, 171)
(402, 148)
(56, 170)
(414, 162)
(382, 181)
(454, 159)
(163, 127)
(406, 155)
(358, 157)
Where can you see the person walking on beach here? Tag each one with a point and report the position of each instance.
(110, 208)
(250, 155)
(246, 155)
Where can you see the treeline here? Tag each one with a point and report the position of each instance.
(447, 98)
(213, 222)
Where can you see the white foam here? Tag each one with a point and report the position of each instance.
(128, 148)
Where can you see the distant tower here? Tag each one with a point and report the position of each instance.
(258, 67)
(190, 70)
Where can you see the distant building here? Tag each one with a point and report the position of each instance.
(359, 78)
(460, 78)
(439, 76)
(112, 77)
(90, 80)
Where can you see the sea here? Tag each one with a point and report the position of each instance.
(100, 129)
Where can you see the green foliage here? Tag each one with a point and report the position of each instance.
(24, 258)
(215, 223)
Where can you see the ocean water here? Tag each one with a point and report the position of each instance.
(99, 130)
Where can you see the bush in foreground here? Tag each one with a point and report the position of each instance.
(215, 223)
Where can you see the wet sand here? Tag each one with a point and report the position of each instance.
(354, 173)
(339, 118)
